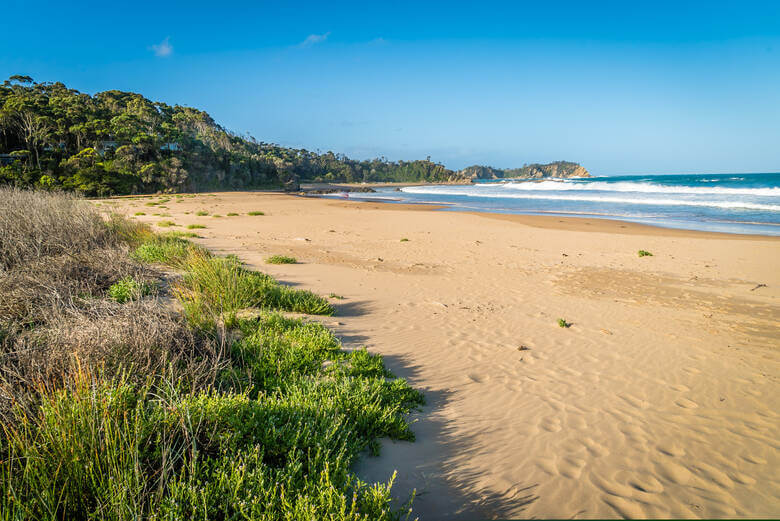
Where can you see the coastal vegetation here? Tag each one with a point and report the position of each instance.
(645, 253)
(115, 142)
(280, 259)
(562, 323)
(117, 405)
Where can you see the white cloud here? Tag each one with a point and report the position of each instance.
(163, 49)
(314, 39)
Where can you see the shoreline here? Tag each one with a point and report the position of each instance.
(603, 224)
(733, 227)
(660, 400)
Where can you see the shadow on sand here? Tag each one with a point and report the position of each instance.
(431, 466)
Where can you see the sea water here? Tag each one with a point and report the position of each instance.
(734, 203)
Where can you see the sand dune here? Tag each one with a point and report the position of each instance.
(660, 400)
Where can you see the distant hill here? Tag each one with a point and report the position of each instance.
(117, 142)
(559, 169)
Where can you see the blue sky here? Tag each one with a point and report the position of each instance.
(621, 87)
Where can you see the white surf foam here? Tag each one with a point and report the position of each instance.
(468, 191)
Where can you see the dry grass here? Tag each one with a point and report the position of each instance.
(42, 224)
(140, 340)
(58, 259)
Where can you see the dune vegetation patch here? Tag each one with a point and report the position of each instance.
(116, 405)
(281, 259)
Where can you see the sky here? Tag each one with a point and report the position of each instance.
(619, 87)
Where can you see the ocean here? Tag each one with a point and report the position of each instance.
(732, 203)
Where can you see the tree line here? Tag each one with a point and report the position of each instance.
(118, 142)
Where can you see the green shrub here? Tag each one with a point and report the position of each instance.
(563, 323)
(195, 226)
(214, 287)
(644, 253)
(166, 224)
(216, 215)
(201, 213)
(280, 259)
(255, 213)
(232, 214)
(172, 251)
(139, 213)
(334, 295)
(128, 289)
(180, 235)
(404, 240)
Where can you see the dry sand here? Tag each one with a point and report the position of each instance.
(660, 400)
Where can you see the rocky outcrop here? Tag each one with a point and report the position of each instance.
(560, 169)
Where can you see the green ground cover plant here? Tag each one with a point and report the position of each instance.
(116, 406)
(255, 213)
(127, 289)
(645, 253)
(280, 259)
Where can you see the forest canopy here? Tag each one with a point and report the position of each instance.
(118, 142)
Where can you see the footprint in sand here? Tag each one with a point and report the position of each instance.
(671, 450)
(742, 479)
(611, 486)
(548, 466)
(634, 401)
(686, 403)
(475, 378)
(713, 474)
(552, 424)
(646, 484)
(756, 460)
(674, 472)
(595, 449)
(571, 467)
(626, 508)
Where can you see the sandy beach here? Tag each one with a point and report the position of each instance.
(660, 400)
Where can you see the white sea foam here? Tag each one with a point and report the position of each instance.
(469, 191)
(628, 186)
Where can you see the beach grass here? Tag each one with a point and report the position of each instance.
(116, 406)
(195, 226)
(280, 259)
(645, 253)
(201, 213)
(254, 213)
